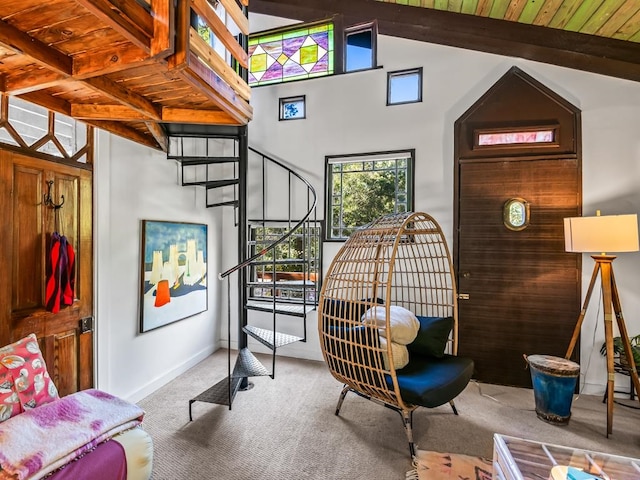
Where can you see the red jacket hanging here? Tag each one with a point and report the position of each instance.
(60, 281)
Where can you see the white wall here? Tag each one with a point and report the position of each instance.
(345, 114)
(133, 183)
(348, 114)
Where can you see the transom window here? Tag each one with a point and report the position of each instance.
(310, 50)
(362, 187)
(291, 54)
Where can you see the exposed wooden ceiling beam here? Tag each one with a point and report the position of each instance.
(124, 96)
(184, 115)
(159, 134)
(118, 113)
(122, 130)
(38, 51)
(50, 102)
(558, 47)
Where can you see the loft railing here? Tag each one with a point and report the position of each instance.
(210, 52)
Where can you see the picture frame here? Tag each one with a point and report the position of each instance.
(173, 272)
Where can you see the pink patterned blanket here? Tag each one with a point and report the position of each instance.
(38, 441)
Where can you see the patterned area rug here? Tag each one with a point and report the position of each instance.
(449, 466)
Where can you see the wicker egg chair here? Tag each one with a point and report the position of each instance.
(398, 260)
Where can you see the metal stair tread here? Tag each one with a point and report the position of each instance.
(284, 285)
(212, 183)
(233, 203)
(294, 309)
(219, 393)
(284, 261)
(189, 160)
(247, 365)
(266, 337)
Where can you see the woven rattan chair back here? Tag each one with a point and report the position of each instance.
(400, 259)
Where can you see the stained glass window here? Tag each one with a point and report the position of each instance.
(515, 137)
(297, 54)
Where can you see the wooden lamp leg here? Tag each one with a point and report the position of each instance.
(607, 299)
(587, 298)
(624, 335)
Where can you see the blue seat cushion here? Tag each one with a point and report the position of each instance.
(430, 382)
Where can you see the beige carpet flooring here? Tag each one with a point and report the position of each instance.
(286, 429)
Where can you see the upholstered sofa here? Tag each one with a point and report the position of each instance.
(89, 434)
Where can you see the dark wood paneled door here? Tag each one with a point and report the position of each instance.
(522, 288)
(65, 337)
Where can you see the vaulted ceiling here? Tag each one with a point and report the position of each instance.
(136, 67)
(600, 36)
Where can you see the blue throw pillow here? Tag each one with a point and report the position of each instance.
(432, 337)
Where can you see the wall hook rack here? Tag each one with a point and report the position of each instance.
(47, 197)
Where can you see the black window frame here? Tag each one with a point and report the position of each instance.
(405, 72)
(409, 153)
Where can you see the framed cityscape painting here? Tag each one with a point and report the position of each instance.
(173, 273)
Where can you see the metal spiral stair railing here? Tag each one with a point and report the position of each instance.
(246, 364)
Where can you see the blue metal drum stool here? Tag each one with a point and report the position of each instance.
(554, 381)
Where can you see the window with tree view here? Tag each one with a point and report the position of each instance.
(361, 188)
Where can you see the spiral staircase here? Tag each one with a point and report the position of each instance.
(278, 272)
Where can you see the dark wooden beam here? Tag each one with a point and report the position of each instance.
(578, 51)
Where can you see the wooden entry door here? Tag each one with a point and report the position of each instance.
(521, 286)
(519, 290)
(65, 337)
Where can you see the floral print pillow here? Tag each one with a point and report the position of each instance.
(22, 363)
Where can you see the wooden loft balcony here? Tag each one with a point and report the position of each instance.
(128, 66)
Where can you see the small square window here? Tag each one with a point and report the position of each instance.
(360, 47)
(293, 108)
(404, 86)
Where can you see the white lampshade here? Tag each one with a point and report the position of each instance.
(600, 234)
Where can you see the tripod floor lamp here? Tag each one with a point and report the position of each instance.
(612, 234)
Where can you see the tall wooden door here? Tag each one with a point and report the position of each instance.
(518, 176)
(65, 337)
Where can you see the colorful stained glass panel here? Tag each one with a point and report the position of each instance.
(300, 53)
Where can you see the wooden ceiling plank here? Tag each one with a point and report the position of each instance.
(601, 15)
(234, 11)
(218, 65)
(469, 6)
(565, 13)
(454, 5)
(38, 51)
(499, 8)
(547, 12)
(124, 96)
(109, 60)
(548, 45)
(129, 19)
(630, 29)
(530, 11)
(83, 111)
(159, 135)
(617, 21)
(582, 15)
(204, 10)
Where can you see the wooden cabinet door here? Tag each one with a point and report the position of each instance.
(66, 337)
